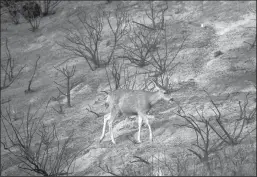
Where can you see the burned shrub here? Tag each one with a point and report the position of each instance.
(31, 10)
(12, 8)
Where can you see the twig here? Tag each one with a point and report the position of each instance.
(32, 77)
(6, 86)
(140, 159)
(90, 110)
(7, 101)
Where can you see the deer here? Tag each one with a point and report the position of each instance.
(134, 103)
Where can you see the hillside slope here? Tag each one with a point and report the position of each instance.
(227, 26)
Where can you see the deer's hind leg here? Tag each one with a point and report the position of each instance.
(146, 120)
(106, 118)
(144, 117)
(114, 113)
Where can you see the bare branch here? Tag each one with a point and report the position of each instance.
(142, 43)
(156, 15)
(33, 158)
(31, 11)
(121, 30)
(90, 110)
(85, 43)
(32, 77)
(234, 137)
(15, 77)
(140, 159)
(61, 92)
(5, 101)
(48, 6)
(68, 75)
(60, 85)
(107, 170)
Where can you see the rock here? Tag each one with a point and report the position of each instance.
(217, 53)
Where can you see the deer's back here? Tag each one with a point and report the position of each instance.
(130, 102)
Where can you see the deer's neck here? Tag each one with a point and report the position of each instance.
(154, 98)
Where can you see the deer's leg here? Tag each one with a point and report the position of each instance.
(139, 127)
(113, 115)
(149, 127)
(106, 118)
(111, 132)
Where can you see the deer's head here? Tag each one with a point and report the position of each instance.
(163, 91)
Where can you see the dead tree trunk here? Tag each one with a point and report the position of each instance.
(32, 77)
(68, 74)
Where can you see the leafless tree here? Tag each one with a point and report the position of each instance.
(164, 83)
(9, 68)
(48, 6)
(121, 75)
(108, 79)
(32, 12)
(60, 105)
(156, 14)
(130, 79)
(204, 141)
(115, 74)
(9, 65)
(236, 136)
(143, 42)
(34, 23)
(163, 59)
(35, 145)
(32, 77)
(84, 41)
(89, 109)
(119, 29)
(69, 86)
(211, 133)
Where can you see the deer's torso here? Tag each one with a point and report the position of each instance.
(132, 102)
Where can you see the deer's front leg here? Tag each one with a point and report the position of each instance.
(110, 130)
(106, 118)
(149, 126)
(139, 128)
